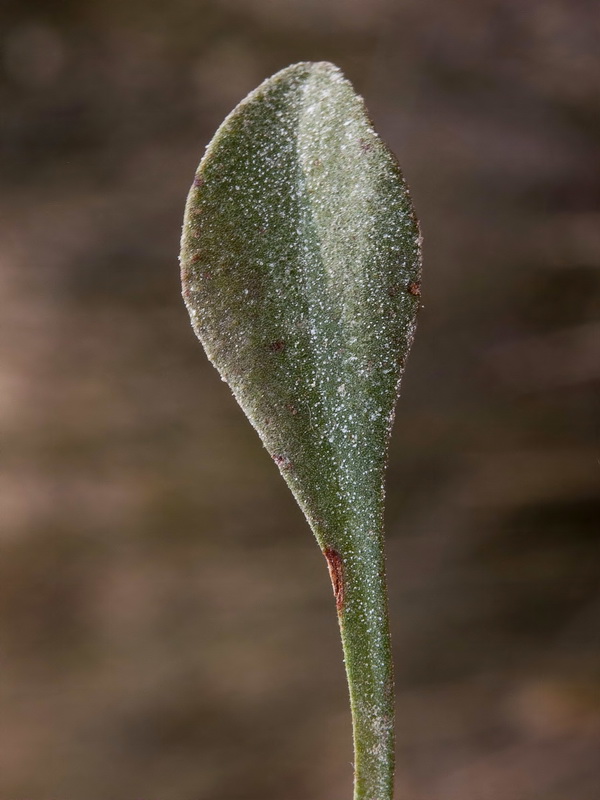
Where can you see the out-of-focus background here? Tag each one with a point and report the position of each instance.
(150, 647)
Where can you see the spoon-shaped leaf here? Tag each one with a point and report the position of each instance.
(300, 263)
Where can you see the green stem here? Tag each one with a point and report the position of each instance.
(358, 578)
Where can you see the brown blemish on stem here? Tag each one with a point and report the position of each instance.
(336, 573)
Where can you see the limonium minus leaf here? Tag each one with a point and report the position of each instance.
(301, 267)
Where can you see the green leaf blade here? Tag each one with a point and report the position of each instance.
(301, 268)
(299, 254)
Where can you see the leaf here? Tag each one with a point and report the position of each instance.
(301, 267)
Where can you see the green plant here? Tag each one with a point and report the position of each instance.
(301, 266)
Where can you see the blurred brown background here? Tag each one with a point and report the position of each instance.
(150, 648)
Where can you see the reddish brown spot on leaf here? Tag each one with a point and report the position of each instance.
(414, 288)
(282, 462)
(336, 573)
(198, 181)
(278, 346)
